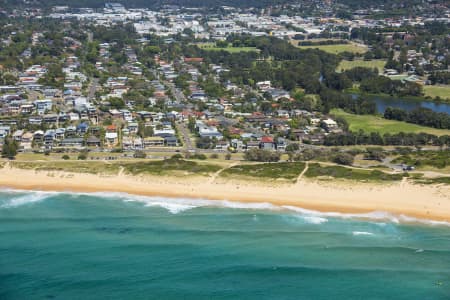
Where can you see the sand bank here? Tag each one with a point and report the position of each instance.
(425, 202)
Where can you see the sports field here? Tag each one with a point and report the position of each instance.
(336, 49)
(213, 47)
(442, 91)
(371, 123)
(350, 64)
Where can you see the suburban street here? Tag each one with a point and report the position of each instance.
(185, 135)
(92, 89)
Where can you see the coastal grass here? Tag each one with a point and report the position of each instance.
(281, 170)
(30, 156)
(171, 166)
(421, 159)
(441, 91)
(90, 167)
(437, 180)
(288, 171)
(316, 170)
(231, 49)
(336, 49)
(420, 179)
(350, 64)
(372, 123)
(157, 167)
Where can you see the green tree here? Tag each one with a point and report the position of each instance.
(9, 149)
(222, 44)
(116, 102)
(344, 159)
(140, 154)
(82, 156)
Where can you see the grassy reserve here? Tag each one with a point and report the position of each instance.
(350, 64)
(442, 91)
(370, 123)
(231, 49)
(336, 49)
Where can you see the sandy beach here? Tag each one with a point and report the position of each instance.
(419, 201)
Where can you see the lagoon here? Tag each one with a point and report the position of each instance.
(382, 102)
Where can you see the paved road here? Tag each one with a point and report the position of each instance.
(33, 95)
(92, 89)
(182, 128)
(178, 95)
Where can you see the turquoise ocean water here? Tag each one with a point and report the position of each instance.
(116, 246)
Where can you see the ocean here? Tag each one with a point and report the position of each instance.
(118, 246)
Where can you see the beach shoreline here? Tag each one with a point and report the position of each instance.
(429, 202)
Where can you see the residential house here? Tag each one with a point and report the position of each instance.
(76, 142)
(222, 146)
(153, 141)
(93, 141)
(42, 106)
(281, 144)
(111, 138)
(82, 128)
(4, 131)
(138, 143)
(171, 141)
(329, 125)
(17, 135)
(60, 133)
(267, 143)
(49, 138)
(252, 145)
(133, 128)
(127, 143)
(26, 141)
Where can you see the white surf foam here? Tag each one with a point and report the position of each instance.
(28, 198)
(379, 216)
(356, 233)
(177, 205)
(173, 208)
(315, 220)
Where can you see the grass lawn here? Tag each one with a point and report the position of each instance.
(350, 64)
(336, 49)
(442, 91)
(212, 47)
(370, 123)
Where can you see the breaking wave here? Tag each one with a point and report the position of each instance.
(16, 198)
(361, 233)
(24, 199)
